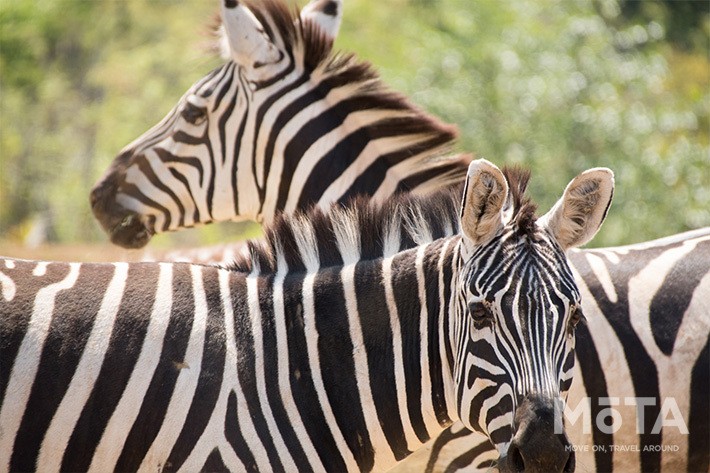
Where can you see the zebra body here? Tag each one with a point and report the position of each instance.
(284, 124)
(315, 353)
(157, 388)
(657, 342)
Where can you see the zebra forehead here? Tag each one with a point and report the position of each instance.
(362, 226)
(515, 262)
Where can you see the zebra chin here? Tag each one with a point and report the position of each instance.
(539, 444)
(125, 227)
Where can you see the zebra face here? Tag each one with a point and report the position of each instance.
(183, 171)
(521, 307)
(164, 180)
(518, 306)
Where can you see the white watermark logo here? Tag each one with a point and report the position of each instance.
(622, 448)
(609, 420)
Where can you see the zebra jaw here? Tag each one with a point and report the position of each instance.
(131, 232)
(125, 227)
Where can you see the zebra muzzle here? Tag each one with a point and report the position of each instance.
(125, 227)
(537, 446)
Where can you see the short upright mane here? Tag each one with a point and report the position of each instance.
(363, 227)
(523, 207)
(371, 229)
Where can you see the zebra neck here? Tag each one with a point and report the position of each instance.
(361, 358)
(418, 293)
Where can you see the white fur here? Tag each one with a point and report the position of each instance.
(248, 44)
(347, 234)
(305, 237)
(9, 288)
(330, 25)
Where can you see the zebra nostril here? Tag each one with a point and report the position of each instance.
(516, 463)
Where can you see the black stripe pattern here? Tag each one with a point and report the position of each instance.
(347, 359)
(646, 336)
(245, 142)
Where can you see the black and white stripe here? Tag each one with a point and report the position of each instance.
(284, 124)
(646, 336)
(664, 285)
(680, 285)
(299, 357)
(659, 293)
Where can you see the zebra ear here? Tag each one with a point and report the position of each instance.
(484, 196)
(247, 43)
(327, 14)
(577, 216)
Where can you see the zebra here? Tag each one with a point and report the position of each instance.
(667, 328)
(646, 334)
(326, 348)
(285, 123)
(170, 144)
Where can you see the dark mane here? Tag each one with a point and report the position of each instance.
(372, 229)
(523, 207)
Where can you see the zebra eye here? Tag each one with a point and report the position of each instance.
(193, 114)
(480, 312)
(576, 316)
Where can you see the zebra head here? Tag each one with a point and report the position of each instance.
(518, 306)
(282, 125)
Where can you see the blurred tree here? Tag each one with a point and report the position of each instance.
(36, 43)
(687, 23)
(67, 68)
(559, 86)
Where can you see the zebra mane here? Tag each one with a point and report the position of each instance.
(523, 208)
(310, 46)
(365, 228)
(362, 229)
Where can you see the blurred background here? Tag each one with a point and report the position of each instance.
(559, 86)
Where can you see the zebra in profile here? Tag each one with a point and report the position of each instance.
(283, 124)
(326, 349)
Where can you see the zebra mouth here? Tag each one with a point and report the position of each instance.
(125, 227)
(536, 445)
(131, 232)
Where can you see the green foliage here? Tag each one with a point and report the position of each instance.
(79, 81)
(559, 86)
